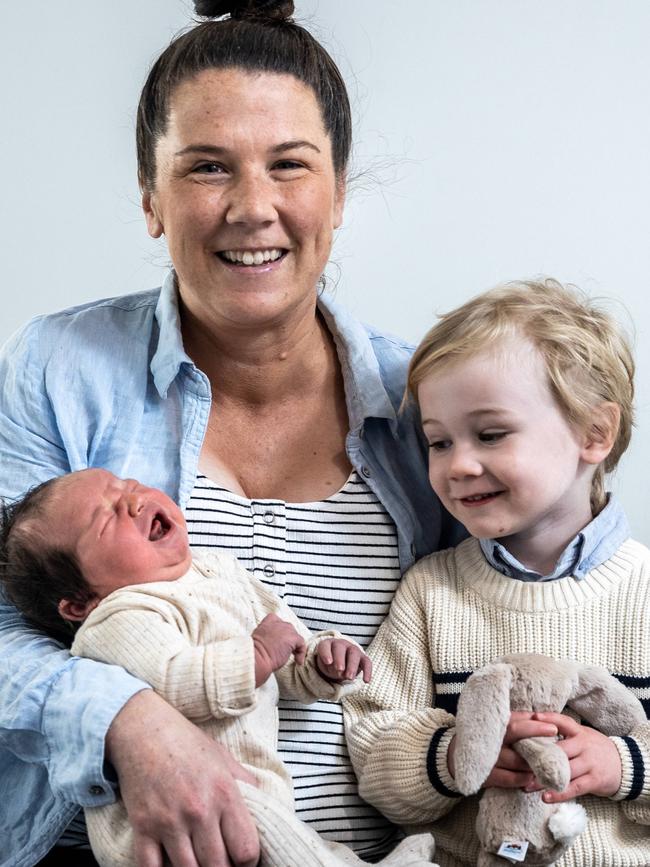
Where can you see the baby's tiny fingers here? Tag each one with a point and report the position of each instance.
(324, 651)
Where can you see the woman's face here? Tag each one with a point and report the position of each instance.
(246, 196)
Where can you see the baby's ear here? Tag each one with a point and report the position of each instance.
(70, 609)
(600, 436)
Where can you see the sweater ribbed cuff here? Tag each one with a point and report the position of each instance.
(437, 768)
(633, 777)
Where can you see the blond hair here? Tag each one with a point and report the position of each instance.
(587, 356)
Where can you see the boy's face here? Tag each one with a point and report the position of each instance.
(120, 531)
(502, 457)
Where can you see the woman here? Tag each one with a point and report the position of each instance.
(265, 411)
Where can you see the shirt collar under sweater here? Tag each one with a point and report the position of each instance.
(592, 546)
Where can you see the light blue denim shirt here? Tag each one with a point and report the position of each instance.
(601, 538)
(109, 384)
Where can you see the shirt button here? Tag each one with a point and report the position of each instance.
(269, 570)
(269, 517)
(96, 790)
(413, 549)
(365, 472)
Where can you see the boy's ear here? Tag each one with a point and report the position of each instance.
(70, 609)
(601, 434)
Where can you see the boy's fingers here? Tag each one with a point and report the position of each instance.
(566, 725)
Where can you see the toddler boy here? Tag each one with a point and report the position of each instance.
(526, 401)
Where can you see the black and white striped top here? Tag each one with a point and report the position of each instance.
(335, 562)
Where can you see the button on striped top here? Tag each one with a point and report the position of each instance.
(335, 562)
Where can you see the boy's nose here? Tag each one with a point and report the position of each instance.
(464, 463)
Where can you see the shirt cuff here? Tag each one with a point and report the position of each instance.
(634, 780)
(437, 768)
(82, 704)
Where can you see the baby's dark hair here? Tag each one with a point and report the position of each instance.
(34, 574)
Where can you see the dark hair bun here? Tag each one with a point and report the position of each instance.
(275, 10)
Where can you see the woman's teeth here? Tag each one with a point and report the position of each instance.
(247, 257)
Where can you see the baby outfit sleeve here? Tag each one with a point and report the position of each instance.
(398, 742)
(302, 683)
(144, 634)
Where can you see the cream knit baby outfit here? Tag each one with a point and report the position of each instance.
(191, 640)
(454, 613)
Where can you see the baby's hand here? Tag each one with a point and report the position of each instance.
(338, 660)
(274, 641)
(593, 758)
(510, 770)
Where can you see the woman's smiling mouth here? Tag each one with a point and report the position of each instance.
(247, 258)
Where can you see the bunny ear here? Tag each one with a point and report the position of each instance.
(604, 702)
(481, 722)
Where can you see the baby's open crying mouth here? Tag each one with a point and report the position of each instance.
(159, 528)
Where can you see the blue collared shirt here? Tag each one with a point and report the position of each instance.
(594, 544)
(109, 384)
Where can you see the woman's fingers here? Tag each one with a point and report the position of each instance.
(147, 852)
(178, 789)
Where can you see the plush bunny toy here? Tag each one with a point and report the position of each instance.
(512, 824)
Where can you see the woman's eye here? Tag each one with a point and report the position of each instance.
(439, 445)
(209, 169)
(287, 165)
(492, 436)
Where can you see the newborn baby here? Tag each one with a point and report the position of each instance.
(203, 631)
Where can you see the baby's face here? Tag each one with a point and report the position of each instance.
(120, 531)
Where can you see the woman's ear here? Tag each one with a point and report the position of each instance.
(600, 436)
(339, 201)
(154, 223)
(70, 609)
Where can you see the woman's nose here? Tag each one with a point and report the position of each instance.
(251, 201)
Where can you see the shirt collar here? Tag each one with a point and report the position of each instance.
(365, 392)
(169, 354)
(590, 548)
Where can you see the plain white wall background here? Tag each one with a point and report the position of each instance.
(500, 139)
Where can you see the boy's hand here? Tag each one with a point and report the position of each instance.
(593, 758)
(274, 641)
(338, 660)
(510, 770)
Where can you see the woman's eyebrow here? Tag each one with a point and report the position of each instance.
(293, 145)
(216, 150)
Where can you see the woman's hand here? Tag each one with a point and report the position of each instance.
(275, 640)
(510, 770)
(179, 789)
(593, 758)
(339, 660)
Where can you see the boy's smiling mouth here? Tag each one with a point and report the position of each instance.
(480, 499)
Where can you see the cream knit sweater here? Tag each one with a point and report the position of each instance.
(452, 614)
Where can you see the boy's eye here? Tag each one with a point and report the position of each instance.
(439, 445)
(492, 436)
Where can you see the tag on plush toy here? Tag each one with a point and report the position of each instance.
(513, 850)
